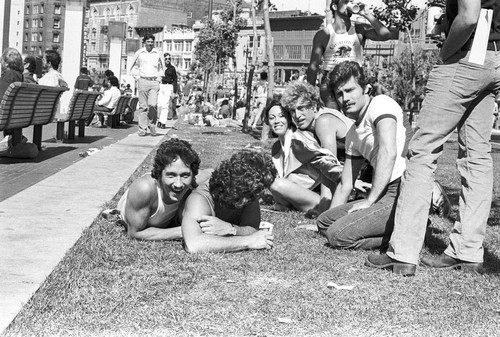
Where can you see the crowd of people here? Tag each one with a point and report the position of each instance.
(347, 157)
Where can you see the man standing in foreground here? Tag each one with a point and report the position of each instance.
(460, 94)
(147, 66)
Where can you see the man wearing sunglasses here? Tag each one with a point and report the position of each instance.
(168, 92)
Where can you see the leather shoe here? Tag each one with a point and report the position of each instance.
(447, 262)
(383, 261)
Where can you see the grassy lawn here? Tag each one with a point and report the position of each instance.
(108, 285)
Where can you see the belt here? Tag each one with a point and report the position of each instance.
(492, 45)
(150, 78)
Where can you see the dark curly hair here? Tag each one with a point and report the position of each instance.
(343, 72)
(169, 150)
(285, 111)
(241, 179)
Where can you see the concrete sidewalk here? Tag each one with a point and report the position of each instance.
(39, 224)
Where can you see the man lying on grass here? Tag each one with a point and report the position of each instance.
(223, 215)
(150, 207)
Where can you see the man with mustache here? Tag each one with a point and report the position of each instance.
(380, 134)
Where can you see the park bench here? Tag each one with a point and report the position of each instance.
(80, 108)
(25, 104)
(128, 117)
(115, 115)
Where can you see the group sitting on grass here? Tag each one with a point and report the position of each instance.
(219, 211)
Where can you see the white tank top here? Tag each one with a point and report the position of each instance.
(342, 47)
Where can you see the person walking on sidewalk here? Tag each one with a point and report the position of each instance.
(460, 95)
(168, 91)
(147, 66)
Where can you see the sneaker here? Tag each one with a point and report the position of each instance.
(440, 202)
(141, 134)
(152, 129)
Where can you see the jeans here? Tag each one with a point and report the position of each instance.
(459, 95)
(148, 98)
(369, 228)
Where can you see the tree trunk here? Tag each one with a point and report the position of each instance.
(412, 65)
(251, 72)
(270, 62)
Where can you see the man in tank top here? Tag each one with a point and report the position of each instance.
(150, 206)
(341, 41)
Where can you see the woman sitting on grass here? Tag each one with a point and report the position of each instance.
(223, 215)
(304, 168)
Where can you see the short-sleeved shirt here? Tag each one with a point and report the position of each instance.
(361, 139)
(83, 82)
(248, 215)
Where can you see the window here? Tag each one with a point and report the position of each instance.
(41, 23)
(57, 9)
(33, 37)
(130, 10)
(178, 46)
(94, 33)
(189, 15)
(25, 37)
(105, 46)
(42, 8)
(92, 46)
(307, 50)
(55, 38)
(293, 52)
(27, 24)
(40, 37)
(57, 23)
(188, 64)
(130, 32)
(35, 9)
(278, 52)
(27, 9)
(188, 46)
(168, 46)
(34, 23)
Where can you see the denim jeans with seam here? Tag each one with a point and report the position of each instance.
(367, 229)
(459, 95)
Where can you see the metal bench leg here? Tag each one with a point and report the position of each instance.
(17, 136)
(81, 128)
(71, 130)
(37, 136)
(60, 131)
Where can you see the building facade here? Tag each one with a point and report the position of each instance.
(43, 26)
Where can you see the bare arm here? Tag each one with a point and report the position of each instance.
(141, 195)
(386, 158)
(318, 49)
(326, 131)
(196, 241)
(378, 31)
(351, 169)
(462, 27)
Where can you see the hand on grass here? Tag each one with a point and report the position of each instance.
(360, 205)
(215, 226)
(262, 239)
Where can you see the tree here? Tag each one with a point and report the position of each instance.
(410, 74)
(399, 14)
(218, 39)
(270, 62)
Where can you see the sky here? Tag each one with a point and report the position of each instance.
(319, 6)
